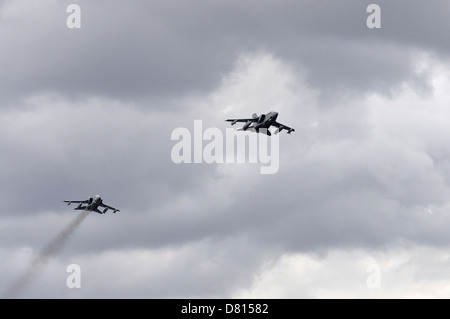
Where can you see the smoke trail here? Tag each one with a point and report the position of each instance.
(46, 253)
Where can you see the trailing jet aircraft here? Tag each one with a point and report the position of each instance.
(262, 123)
(91, 205)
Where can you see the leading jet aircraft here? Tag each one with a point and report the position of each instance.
(264, 121)
(91, 205)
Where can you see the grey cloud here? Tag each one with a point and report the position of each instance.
(148, 49)
(98, 147)
(203, 269)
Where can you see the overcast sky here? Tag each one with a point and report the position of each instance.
(363, 182)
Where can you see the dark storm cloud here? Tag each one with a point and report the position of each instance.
(150, 49)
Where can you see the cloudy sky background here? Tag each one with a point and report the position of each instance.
(364, 180)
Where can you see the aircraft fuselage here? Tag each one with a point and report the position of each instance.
(265, 121)
(262, 123)
(92, 204)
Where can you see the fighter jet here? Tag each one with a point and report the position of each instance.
(91, 205)
(264, 121)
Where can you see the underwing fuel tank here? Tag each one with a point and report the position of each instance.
(246, 125)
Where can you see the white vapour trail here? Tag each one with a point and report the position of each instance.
(45, 254)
